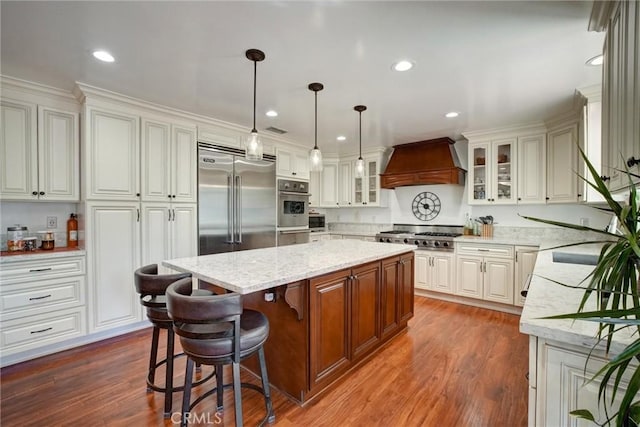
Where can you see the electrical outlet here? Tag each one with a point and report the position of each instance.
(52, 222)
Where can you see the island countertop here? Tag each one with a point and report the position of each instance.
(253, 270)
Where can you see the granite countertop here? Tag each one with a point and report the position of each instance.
(546, 298)
(254, 270)
(519, 241)
(9, 257)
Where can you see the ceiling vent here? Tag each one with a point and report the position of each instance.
(276, 130)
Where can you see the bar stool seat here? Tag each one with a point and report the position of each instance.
(215, 330)
(152, 287)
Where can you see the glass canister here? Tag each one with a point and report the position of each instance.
(48, 240)
(15, 238)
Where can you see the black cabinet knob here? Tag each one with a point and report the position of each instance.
(42, 193)
(519, 198)
(605, 178)
(632, 161)
(174, 196)
(293, 173)
(169, 195)
(35, 193)
(137, 194)
(546, 198)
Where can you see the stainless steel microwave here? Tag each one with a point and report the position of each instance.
(317, 222)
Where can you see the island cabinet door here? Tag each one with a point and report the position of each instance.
(405, 282)
(390, 296)
(365, 309)
(329, 327)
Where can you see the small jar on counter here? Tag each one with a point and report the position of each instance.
(15, 238)
(30, 243)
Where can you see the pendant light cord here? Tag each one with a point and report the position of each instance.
(360, 120)
(255, 72)
(315, 147)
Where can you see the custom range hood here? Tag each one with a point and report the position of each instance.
(421, 163)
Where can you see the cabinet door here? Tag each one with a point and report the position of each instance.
(329, 185)
(390, 296)
(329, 327)
(113, 151)
(359, 191)
(301, 165)
(562, 165)
(504, 170)
(532, 175)
(442, 273)
(469, 276)
(423, 271)
(113, 243)
(18, 144)
(154, 224)
(314, 189)
(345, 192)
(285, 163)
(373, 181)
(184, 165)
(525, 262)
(365, 309)
(58, 155)
(479, 174)
(498, 280)
(406, 289)
(155, 150)
(184, 230)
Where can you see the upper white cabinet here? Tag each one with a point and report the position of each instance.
(620, 89)
(563, 167)
(169, 165)
(40, 152)
(366, 190)
(345, 183)
(292, 163)
(112, 149)
(532, 180)
(329, 184)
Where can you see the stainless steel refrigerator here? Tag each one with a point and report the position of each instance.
(236, 200)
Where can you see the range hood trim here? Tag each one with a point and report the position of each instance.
(417, 168)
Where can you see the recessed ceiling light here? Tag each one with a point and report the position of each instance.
(596, 60)
(452, 114)
(341, 138)
(272, 113)
(403, 65)
(103, 55)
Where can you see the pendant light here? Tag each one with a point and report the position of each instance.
(253, 144)
(315, 156)
(359, 172)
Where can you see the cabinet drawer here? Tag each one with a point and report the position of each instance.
(37, 331)
(21, 300)
(25, 271)
(496, 251)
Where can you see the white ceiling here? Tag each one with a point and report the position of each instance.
(497, 63)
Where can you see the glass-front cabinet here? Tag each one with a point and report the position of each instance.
(366, 190)
(493, 172)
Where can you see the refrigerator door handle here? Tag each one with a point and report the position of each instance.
(229, 211)
(238, 209)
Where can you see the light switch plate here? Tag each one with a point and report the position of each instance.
(52, 222)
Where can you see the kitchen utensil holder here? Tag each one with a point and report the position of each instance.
(487, 230)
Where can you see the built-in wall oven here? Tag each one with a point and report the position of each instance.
(293, 203)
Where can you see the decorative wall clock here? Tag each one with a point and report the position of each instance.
(426, 206)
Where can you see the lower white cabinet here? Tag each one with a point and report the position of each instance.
(434, 271)
(42, 302)
(525, 261)
(169, 230)
(113, 254)
(562, 384)
(319, 237)
(485, 272)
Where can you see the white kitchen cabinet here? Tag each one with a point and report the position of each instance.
(314, 189)
(112, 149)
(319, 237)
(485, 272)
(366, 190)
(345, 183)
(42, 302)
(168, 231)
(329, 184)
(563, 166)
(292, 163)
(113, 254)
(434, 271)
(40, 147)
(169, 164)
(532, 177)
(493, 172)
(524, 263)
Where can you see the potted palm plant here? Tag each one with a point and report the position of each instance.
(614, 283)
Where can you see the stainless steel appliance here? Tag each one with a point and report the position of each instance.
(293, 237)
(293, 203)
(317, 222)
(236, 200)
(424, 237)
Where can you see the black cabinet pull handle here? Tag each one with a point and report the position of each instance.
(35, 270)
(546, 198)
(41, 330)
(37, 298)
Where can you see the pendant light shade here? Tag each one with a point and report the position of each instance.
(253, 144)
(359, 172)
(315, 156)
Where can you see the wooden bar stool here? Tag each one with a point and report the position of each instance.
(152, 287)
(214, 330)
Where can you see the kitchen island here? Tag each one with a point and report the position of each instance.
(564, 354)
(330, 304)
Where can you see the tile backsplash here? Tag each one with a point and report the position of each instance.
(34, 215)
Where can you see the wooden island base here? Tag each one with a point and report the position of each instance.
(322, 328)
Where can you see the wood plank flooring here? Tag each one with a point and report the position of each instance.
(455, 366)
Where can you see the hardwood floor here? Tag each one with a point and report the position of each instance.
(455, 366)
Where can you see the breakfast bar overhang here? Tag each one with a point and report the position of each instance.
(330, 304)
